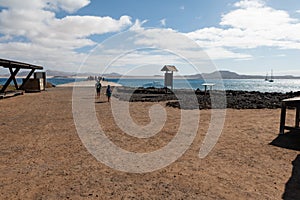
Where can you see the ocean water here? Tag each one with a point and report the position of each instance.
(279, 85)
(55, 81)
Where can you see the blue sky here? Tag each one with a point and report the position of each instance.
(180, 15)
(245, 36)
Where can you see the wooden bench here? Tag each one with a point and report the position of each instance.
(292, 102)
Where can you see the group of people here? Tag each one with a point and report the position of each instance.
(99, 78)
(98, 90)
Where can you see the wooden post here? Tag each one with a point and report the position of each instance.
(205, 89)
(297, 116)
(172, 81)
(205, 99)
(13, 74)
(282, 118)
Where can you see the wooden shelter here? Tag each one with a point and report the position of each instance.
(14, 67)
(169, 69)
(292, 103)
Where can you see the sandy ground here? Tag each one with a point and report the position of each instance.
(42, 156)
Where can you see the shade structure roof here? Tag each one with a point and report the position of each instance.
(169, 68)
(15, 64)
(14, 67)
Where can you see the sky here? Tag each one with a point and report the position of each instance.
(139, 37)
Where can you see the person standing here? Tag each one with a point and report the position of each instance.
(108, 93)
(98, 88)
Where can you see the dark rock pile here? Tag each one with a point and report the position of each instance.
(49, 85)
(190, 99)
(143, 94)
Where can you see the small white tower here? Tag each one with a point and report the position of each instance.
(169, 69)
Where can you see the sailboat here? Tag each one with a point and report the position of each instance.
(272, 78)
(267, 78)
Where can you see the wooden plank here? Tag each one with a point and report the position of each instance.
(292, 99)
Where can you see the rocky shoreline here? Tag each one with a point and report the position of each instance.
(190, 99)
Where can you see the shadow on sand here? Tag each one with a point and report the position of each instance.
(292, 187)
(101, 102)
(291, 140)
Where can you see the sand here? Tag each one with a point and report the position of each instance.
(42, 156)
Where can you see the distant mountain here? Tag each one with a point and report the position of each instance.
(224, 74)
(73, 74)
(59, 73)
(112, 74)
(233, 75)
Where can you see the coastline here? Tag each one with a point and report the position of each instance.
(193, 99)
(89, 84)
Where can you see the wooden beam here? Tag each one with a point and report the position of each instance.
(15, 64)
(291, 128)
(9, 80)
(26, 79)
(13, 78)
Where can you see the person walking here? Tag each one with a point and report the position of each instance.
(98, 88)
(108, 93)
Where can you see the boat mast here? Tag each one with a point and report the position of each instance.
(266, 79)
(272, 78)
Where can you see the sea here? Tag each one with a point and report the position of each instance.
(279, 85)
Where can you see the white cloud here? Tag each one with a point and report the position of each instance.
(252, 24)
(82, 26)
(181, 7)
(43, 28)
(253, 16)
(222, 53)
(32, 26)
(54, 58)
(151, 47)
(163, 22)
(31, 32)
(138, 25)
(66, 5)
(24, 5)
(250, 3)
